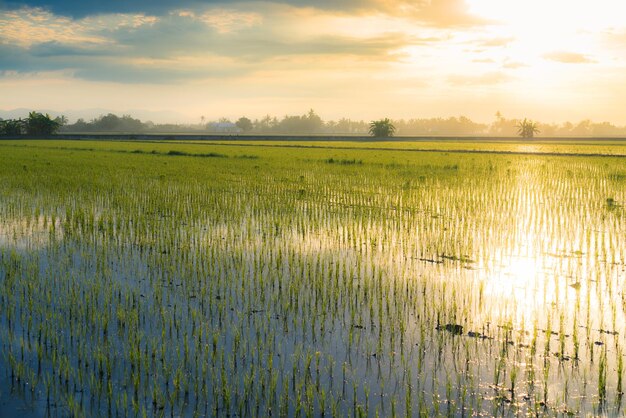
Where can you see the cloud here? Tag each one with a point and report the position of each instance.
(496, 42)
(481, 44)
(445, 13)
(183, 34)
(58, 49)
(490, 78)
(182, 45)
(224, 20)
(25, 27)
(438, 13)
(512, 64)
(568, 57)
(84, 8)
(484, 60)
(133, 72)
(97, 65)
(615, 36)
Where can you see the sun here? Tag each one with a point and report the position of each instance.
(538, 27)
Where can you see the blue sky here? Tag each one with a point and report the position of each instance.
(359, 59)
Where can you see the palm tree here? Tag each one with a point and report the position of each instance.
(382, 128)
(40, 124)
(527, 128)
(13, 127)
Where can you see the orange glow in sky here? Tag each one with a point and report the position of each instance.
(553, 61)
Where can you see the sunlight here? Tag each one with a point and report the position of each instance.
(539, 28)
(522, 273)
(557, 15)
(522, 283)
(519, 274)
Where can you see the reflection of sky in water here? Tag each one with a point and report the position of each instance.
(563, 248)
(27, 235)
(522, 250)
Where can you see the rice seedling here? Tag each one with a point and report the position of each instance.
(137, 279)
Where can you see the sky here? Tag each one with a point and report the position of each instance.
(550, 60)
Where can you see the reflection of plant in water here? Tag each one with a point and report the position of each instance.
(287, 284)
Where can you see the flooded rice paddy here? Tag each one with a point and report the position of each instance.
(172, 279)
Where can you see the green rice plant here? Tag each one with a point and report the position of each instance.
(237, 285)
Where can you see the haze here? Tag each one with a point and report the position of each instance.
(552, 61)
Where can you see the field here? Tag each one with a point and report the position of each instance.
(323, 279)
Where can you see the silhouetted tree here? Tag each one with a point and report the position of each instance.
(244, 124)
(503, 126)
(79, 126)
(382, 128)
(313, 122)
(308, 123)
(349, 126)
(61, 119)
(527, 128)
(584, 128)
(604, 129)
(40, 124)
(265, 125)
(13, 127)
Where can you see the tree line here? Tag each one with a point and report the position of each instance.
(36, 124)
(311, 123)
